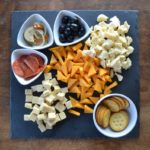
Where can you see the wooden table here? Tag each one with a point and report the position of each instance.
(142, 143)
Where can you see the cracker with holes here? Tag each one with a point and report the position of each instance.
(119, 121)
(106, 118)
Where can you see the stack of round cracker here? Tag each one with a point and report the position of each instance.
(112, 112)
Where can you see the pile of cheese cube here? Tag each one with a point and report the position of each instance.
(48, 108)
(108, 41)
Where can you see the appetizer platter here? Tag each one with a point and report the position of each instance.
(74, 74)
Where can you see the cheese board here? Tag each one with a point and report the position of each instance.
(72, 127)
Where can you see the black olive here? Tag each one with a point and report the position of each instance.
(67, 31)
(62, 38)
(65, 19)
(74, 27)
(70, 38)
(76, 21)
(62, 28)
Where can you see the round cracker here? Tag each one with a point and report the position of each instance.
(118, 102)
(99, 114)
(126, 104)
(113, 106)
(106, 118)
(119, 121)
(121, 101)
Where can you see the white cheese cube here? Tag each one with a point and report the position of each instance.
(28, 105)
(46, 84)
(64, 100)
(33, 117)
(47, 76)
(50, 99)
(34, 88)
(64, 90)
(36, 110)
(107, 44)
(26, 117)
(51, 116)
(46, 93)
(41, 116)
(57, 119)
(62, 116)
(28, 98)
(60, 107)
(40, 88)
(40, 100)
(68, 104)
(57, 89)
(54, 81)
(46, 108)
(102, 17)
(35, 99)
(60, 96)
(28, 92)
(42, 127)
(49, 126)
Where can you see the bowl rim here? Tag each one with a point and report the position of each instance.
(48, 26)
(100, 129)
(55, 32)
(30, 51)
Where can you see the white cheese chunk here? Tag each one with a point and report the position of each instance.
(46, 84)
(33, 117)
(50, 99)
(46, 93)
(27, 117)
(120, 77)
(40, 88)
(68, 105)
(34, 88)
(54, 81)
(64, 90)
(62, 116)
(28, 92)
(41, 116)
(42, 127)
(28, 105)
(60, 96)
(47, 76)
(36, 110)
(51, 116)
(28, 98)
(60, 107)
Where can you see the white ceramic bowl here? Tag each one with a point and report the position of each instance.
(16, 54)
(29, 22)
(132, 118)
(58, 22)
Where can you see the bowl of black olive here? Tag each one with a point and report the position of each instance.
(69, 28)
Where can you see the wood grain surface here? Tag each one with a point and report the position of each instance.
(141, 143)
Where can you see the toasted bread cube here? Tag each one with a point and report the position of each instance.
(60, 107)
(62, 116)
(28, 105)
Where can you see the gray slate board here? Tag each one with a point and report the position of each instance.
(73, 127)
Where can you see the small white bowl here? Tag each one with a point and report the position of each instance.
(29, 22)
(132, 118)
(19, 52)
(58, 22)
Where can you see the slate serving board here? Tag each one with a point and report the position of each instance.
(72, 127)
